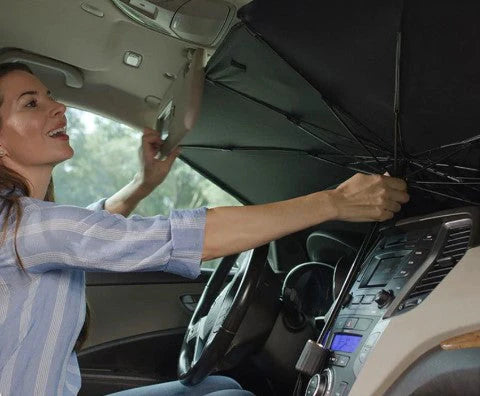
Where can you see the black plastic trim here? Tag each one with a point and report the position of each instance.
(142, 278)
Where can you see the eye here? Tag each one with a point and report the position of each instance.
(32, 103)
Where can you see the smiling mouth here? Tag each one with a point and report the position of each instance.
(59, 132)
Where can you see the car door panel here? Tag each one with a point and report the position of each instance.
(138, 321)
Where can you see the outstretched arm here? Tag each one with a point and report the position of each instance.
(361, 198)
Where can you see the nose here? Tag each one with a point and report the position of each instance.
(58, 109)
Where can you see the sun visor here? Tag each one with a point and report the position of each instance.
(181, 103)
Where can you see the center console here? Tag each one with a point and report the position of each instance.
(407, 261)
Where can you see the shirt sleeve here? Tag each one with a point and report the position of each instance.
(98, 205)
(54, 236)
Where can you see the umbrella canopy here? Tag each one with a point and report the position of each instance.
(301, 95)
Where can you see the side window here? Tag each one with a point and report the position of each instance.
(106, 159)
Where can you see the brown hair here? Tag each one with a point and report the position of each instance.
(11, 184)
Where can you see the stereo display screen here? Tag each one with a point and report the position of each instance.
(345, 342)
(384, 272)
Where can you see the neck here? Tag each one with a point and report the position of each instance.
(38, 178)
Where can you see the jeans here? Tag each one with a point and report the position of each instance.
(214, 385)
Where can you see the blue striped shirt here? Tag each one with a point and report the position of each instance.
(42, 312)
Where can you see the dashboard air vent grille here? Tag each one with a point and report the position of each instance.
(454, 248)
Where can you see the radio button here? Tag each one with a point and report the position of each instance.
(397, 284)
(342, 360)
(357, 299)
(367, 299)
(428, 237)
(420, 253)
(412, 261)
(350, 323)
(363, 324)
(402, 274)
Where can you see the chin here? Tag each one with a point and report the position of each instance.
(66, 156)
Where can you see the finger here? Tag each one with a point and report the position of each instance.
(152, 139)
(397, 196)
(380, 214)
(150, 131)
(149, 150)
(394, 182)
(392, 206)
(387, 215)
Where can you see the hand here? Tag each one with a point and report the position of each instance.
(369, 198)
(153, 171)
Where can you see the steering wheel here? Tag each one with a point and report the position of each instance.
(218, 316)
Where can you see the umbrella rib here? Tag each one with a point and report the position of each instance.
(446, 195)
(369, 143)
(357, 139)
(286, 150)
(431, 163)
(458, 143)
(459, 167)
(365, 159)
(275, 109)
(430, 169)
(461, 183)
(297, 122)
(397, 134)
(334, 147)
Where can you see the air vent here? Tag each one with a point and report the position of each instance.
(454, 248)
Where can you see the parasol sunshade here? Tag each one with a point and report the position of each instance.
(303, 94)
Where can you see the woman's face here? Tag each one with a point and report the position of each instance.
(28, 113)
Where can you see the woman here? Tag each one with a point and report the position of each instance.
(47, 247)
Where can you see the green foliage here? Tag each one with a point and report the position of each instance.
(105, 160)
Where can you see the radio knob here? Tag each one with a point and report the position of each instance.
(384, 298)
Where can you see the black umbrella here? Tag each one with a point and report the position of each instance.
(302, 94)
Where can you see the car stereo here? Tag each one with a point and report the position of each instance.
(406, 263)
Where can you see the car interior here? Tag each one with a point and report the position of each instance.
(270, 100)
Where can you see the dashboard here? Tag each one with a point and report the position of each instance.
(394, 300)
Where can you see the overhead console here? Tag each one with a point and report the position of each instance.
(404, 266)
(201, 22)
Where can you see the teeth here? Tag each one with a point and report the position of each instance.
(57, 131)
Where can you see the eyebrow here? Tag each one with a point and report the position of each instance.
(32, 93)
